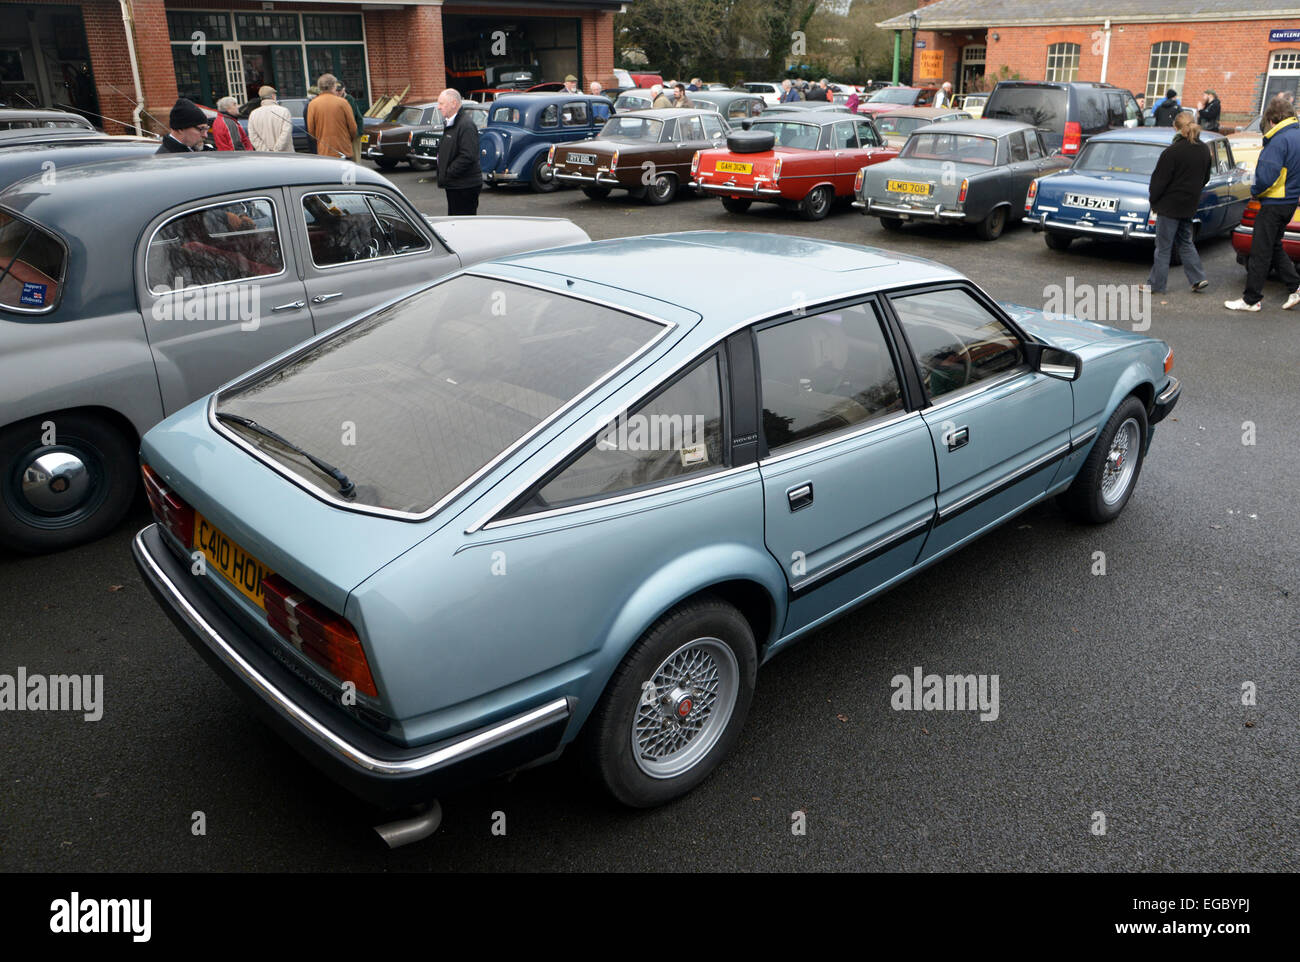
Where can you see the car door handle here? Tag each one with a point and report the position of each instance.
(958, 437)
(800, 496)
(322, 298)
(291, 306)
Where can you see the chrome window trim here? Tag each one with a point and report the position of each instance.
(319, 493)
(63, 274)
(1010, 477)
(428, 245)
(898, 534)
(979, 387)
(1083, 439)
(825, 441)
(238, 280)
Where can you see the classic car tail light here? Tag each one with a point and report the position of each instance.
(695, 163)
(410, 138)
(1151, 220)
(172, 512)
(857, 181)
(1029, 197)
(613, 162)
(961, 194)
(550, 156)
(1169, 360)
(1248, 215)
(318, 633)
(776, 171)
(1073, 137)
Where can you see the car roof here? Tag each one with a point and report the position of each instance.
(820, 118)
(925, 112)
(666, 113)
(723, 94)
(540, 100)
(1147, 135)
(1055, 83)
(778, 271)
(985, 128)
(22, 113)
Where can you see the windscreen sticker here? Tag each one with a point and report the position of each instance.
(33, 294)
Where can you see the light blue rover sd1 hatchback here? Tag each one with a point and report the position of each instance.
(568, 497)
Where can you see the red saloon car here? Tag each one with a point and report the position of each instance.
(803, 163)
(1241, 235)
(896, 98)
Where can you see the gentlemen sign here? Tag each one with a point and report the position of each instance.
(1284, 36)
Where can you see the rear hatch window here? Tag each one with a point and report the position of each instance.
(32, 261)
(1043, 107)
(412, 402)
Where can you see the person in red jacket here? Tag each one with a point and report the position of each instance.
(226, 132)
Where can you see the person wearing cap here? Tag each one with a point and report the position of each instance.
(270, 126)
(571, 84)
(330, 120)
(188, 125)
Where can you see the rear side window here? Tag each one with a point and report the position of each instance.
(956, 339)
(550, 116)
(575, 115)
(867, 134)
(215, 245)
(32, 262)
(1036, 106)
(1017, 144)
(1092, 110)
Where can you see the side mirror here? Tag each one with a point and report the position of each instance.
(1054, 362)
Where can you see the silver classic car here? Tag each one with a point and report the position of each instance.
(112, 317)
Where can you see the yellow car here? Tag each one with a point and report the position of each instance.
(1247, 143)
(973, 104)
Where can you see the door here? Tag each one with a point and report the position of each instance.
(848, 156)
(848, 478)
(1226, 193)
(362, 248)
(1026, 163)
(220, 292)
(1000, 430)
(689, 137)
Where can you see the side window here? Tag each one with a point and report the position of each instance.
(1092, 110)
(867, 134)
(347, 227)
(32, 263)
(1034, 143)
(675, 434)
(844, 136)
(825, 372)
(215, 245)
(1016, 141)
(550, 116)
(1115, 109)
(575, 115)
(956, 339)
(601, 111)
(713, 128)
(689, 129)
(1222, 157)
(1131, 111)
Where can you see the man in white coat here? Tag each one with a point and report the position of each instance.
(270, 126)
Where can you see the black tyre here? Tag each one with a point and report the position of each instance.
(817, 203)
(675, 705)
(661, 189)
(543, 178)
(737, 205)
(1057, 241)
(892, 223)
(66, 492)
(383, 163)
(596, 193)
(1104, 484)
(421, 164)
(990, 228)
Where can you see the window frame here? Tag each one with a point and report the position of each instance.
(1163, 77)
(301, 197)
(1062, 57)
(167, 218)
(62, 280)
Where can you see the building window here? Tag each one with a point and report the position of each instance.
(1283, 75)
(267, 26)
(1063, 61)
(183, 24)
(331, 26)
(1168, 69)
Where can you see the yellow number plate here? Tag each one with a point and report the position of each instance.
(239, 567)
(906, 187)
(365, 138)
(732, 167)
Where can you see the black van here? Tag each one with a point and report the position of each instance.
(1067, 113)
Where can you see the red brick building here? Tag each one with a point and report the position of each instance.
(1245, 52)
(78, 54)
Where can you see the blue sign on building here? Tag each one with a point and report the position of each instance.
(1287, 35)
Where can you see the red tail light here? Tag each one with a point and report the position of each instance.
(324, 637)
(695, 163)
(1248, 215)
(1029, 197)
(1073, 138)
(961, 194)
(776, 171)
(172, 512)
(613, 162)
(1169, 361)
(857, 181)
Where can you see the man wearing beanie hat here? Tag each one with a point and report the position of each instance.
(188, 125)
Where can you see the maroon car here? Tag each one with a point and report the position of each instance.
(645, 152)
(1244, 232)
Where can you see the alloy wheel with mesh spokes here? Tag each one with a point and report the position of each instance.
(684, 707)
(1109, 474)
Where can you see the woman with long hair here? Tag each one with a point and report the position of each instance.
(1181, 174)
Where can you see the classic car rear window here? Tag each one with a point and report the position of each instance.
(1115, 157)
(215, 245)
(791, 134)
(505, 115)
(894, 95)
(32, 262)
(409, 116)
(959, 148)
(629, 102)
(1036, 106)
(412, 401)
(634, 128)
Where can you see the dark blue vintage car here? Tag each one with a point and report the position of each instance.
(522, 128)
(1105, 193)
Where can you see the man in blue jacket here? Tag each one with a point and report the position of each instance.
(1277, 188)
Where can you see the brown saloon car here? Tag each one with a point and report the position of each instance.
(389, 144)
(646, 152)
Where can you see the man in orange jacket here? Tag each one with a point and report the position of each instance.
(330, 120)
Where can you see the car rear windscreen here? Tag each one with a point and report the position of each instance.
(412, 401)
(1040, 106)
(1117, 157)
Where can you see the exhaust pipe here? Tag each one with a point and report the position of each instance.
(407, 831)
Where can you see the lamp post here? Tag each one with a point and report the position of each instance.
(913, 21)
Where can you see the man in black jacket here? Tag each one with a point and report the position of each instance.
(1180, 175)
(187, 125)
(1209, 114)
(459, 173)
(1167, 109)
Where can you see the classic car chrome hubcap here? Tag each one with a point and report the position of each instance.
(1120, 462)
(55, 482)
(685, 707)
